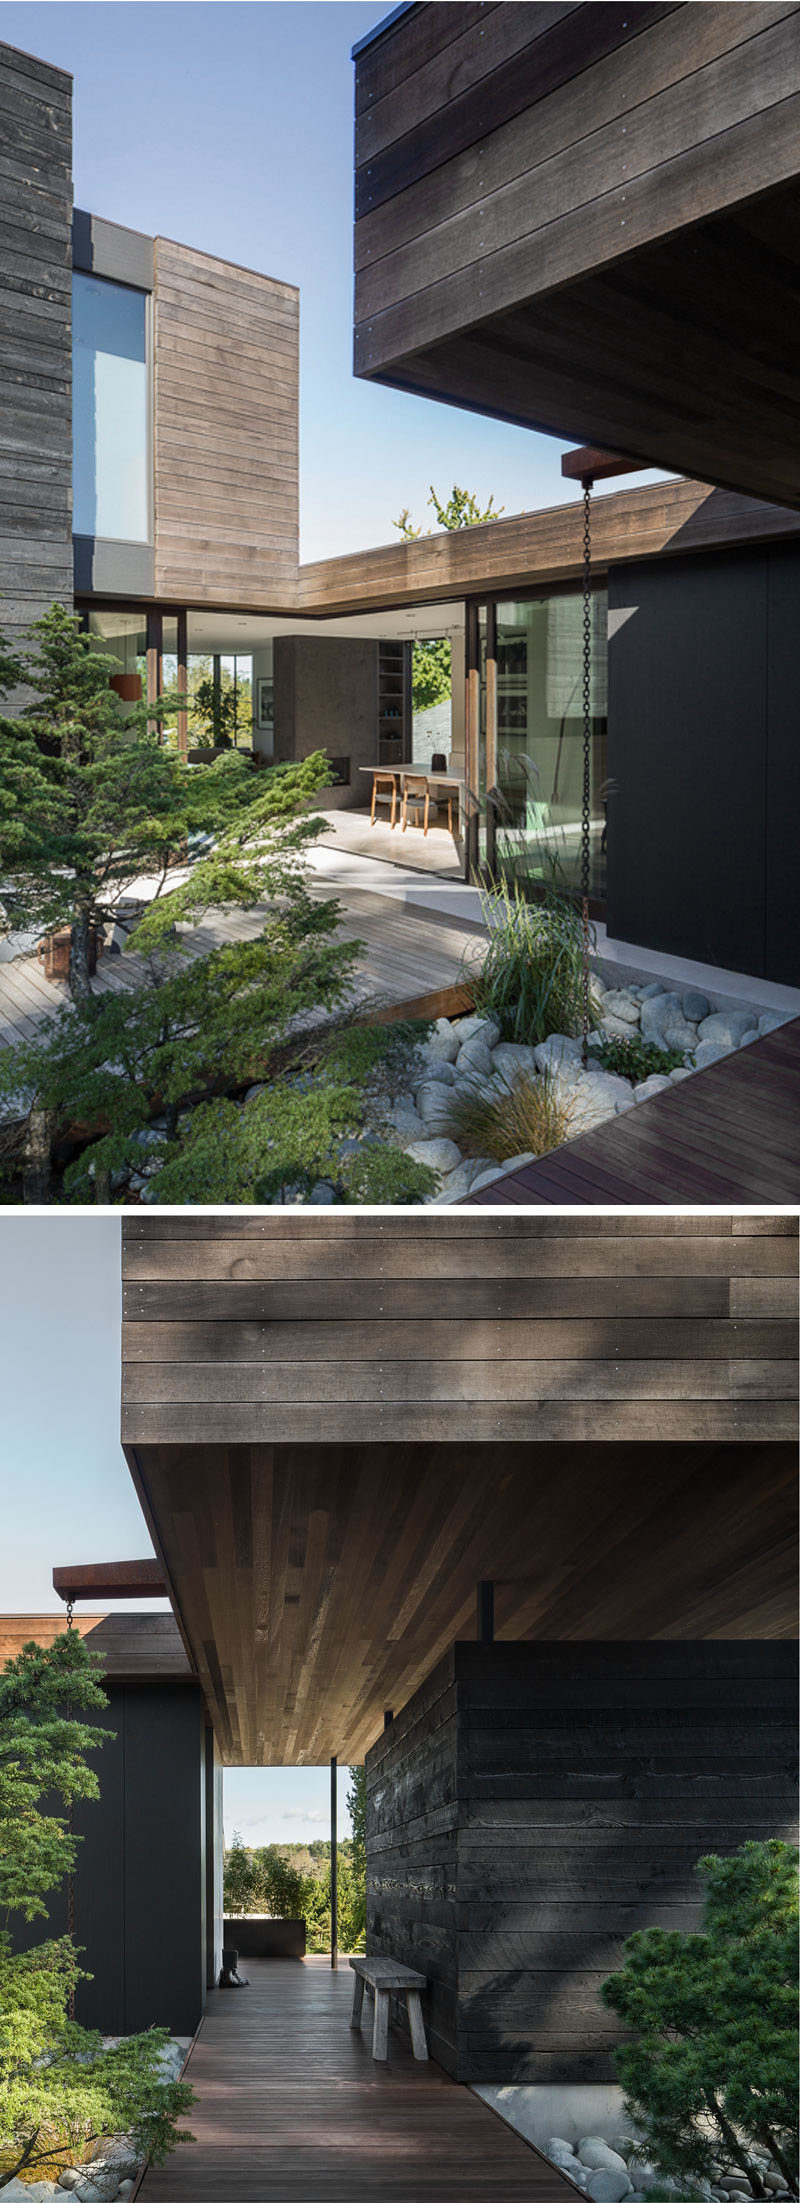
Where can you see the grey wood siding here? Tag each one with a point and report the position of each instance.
(297, 1330)
(35, 339)
(704, 803)
(226, 435)
(534, 1804)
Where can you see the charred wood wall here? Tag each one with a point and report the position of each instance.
(536, 1803)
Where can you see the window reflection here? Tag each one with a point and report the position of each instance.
(110, 423)
(538, 791)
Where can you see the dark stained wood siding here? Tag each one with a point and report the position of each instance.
(548, 170)
(35, 339)
(282, 1331)
(535, 1804)
(226, 434)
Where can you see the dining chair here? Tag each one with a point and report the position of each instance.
(384, 790)
(417, 792)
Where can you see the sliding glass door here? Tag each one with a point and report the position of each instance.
(531, 751)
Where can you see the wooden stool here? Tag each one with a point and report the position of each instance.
(385, 1978)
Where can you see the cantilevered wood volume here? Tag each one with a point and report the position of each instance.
(338, 1427)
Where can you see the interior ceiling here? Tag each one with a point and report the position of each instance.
(316, 1586)
(247, 631)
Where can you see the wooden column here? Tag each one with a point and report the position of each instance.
(334, 1872)
(472, 743)
(183, 679)
(154, 645)
(491, 736)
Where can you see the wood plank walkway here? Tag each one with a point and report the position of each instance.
(406, 953)
(729, 1134)
(292, 2109)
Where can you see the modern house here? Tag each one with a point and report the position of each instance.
(506, 1506)
(148, 451)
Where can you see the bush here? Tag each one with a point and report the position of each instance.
(636, 1058)
(710, 2077)
(530, 1116)
(531, 978)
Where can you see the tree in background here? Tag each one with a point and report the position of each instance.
(432, 680)
(710, 2077)
(60, 2088)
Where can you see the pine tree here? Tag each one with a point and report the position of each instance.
(710, 2077)
(60, 2089)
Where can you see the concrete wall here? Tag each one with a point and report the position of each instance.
(326, 697)
(35, 340)
(537, 1802)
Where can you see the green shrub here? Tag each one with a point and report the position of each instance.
(710, 2075)
(636, 1058)
(531, 977)
(530, 1116)
(385, 1177)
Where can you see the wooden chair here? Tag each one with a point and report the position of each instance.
(445, 795)
(417, 792)
(384, 790)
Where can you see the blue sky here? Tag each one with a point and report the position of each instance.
(65, 1490)
(229, 126)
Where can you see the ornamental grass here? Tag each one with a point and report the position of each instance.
(501, 1119)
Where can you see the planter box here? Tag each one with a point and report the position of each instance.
(255, 1935)
(54, 950)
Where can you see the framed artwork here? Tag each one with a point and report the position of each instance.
(265, 702)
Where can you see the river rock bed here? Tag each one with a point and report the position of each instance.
(470, 1051)
(619, 2171)
(111, 2170)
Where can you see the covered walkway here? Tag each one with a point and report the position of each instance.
(292, 2109)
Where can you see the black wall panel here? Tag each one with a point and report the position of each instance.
(687, 758)
(783, 767)
(536, 1803)
(141, 1874)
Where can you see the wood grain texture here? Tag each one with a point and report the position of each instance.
(128, 1644)
(35, 339)
(731, 1133)
(226, 436)
(288, 2091)
(504, 555)
(533, 1805)
(511, 186)
(316, 1584)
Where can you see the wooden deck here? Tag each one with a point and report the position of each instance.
(730, 1134)
(292, 2109)
(406, 953)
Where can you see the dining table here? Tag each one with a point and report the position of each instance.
(451, 780)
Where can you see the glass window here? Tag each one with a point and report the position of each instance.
(110, 410)
(540, 739)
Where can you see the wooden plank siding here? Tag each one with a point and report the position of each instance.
(533, 1805)
(138, 1645)
(540, 547)
(35, 339)
(553, 169)
(226, 430)
(336, 1429)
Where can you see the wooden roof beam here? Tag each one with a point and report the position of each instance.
(112, 1579)
(590, 462)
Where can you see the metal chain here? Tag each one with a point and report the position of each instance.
(586, 847)
(71, 1878)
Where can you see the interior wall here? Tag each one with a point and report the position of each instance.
(704, 796)
(326, 698)
(536, 1803)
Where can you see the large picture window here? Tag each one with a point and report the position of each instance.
(110, 410)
